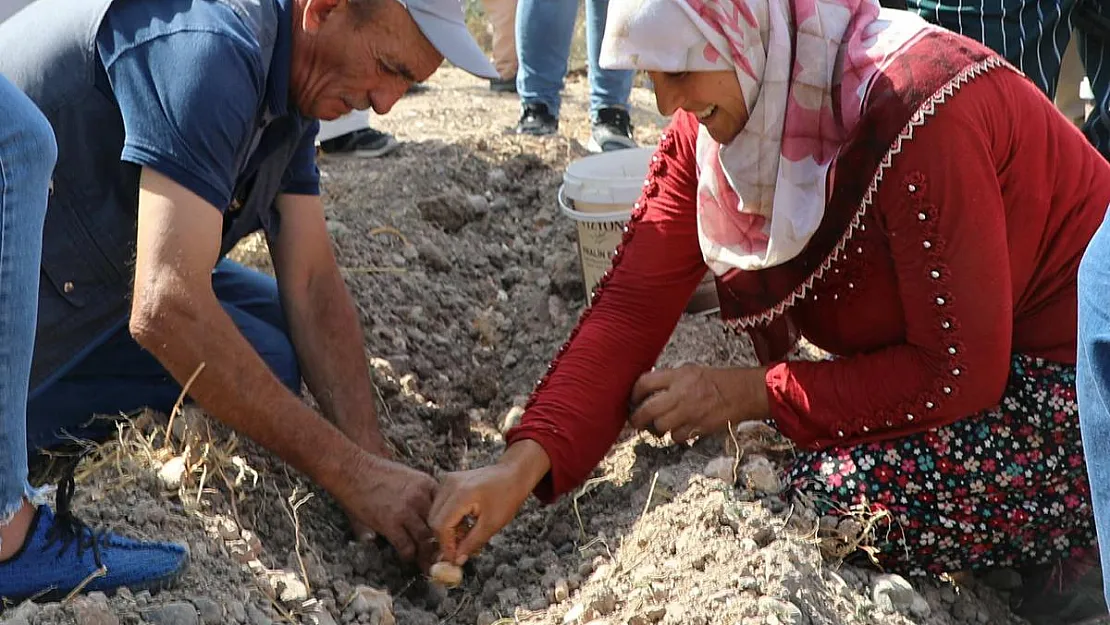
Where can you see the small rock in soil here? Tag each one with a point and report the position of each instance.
(288, 587)
(236, 612)
(449, 211)
(605, 603)
(920, 608)
(764, 536)
(760, 475)
(93, 610)
(210, 612)
(497, 178)
(509, 598)
(721, 468)
(892, 593)
(747, 583)
(178, 613)
(319, 617)
(964, 611)
(783, 611)
(486, 618)
(172, 472)
(562, 590)
(337, 228)
(566, 279)
(376, 604)
(256, 616)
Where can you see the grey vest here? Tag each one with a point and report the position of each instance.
(89, 237)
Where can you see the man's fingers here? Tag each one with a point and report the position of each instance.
(422, 537)
(649, 383)
(652, 410)
(403, 544)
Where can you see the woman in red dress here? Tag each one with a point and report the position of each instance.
(896, 194)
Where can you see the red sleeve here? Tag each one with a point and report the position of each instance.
(580, 407)
(940, 208)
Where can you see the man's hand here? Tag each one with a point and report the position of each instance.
(393, 500)
(693, 401)
(489, 497)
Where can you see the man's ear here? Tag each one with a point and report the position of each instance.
(318, 11)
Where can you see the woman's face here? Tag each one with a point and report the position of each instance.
(714, 97)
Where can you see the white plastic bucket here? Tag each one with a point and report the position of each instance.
(598, 193)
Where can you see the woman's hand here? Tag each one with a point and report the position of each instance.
(693, 401)
(488, 497)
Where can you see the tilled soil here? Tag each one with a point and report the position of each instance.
(467, 280)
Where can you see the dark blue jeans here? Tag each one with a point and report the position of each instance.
(1093, 381)
(120, 377)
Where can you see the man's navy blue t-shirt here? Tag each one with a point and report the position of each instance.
(190, 82)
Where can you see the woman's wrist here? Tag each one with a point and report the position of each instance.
(745, 392)
(528, 461)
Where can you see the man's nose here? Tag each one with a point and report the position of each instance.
(384, 97)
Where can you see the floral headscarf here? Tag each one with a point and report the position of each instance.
(804, 67)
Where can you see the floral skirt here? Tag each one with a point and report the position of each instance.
(1006, 487)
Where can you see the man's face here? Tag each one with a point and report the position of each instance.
(342, 63)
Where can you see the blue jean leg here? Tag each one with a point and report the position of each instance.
(119, 376)
(1093, 381)
(544, 29)
(27, 156)
(608, 87)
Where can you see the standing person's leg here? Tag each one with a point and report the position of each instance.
(1093, 32)
(1071, 75)
(502, 19)
(42, 554)
(609, 89)
(544, 30)
(120, 377)
(1093, 379)
(27, 155)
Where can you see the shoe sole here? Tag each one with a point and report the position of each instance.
(530, 133)
(388, 148)
(152, 586)
(594, 147)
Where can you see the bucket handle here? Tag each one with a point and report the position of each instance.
(564, 201)
(567, 206)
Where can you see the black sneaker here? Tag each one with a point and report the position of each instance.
(417, 87)
(503, 85)
(612, 130)
(365, 143)
(537, 120)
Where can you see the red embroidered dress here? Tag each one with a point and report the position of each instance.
(958, 216)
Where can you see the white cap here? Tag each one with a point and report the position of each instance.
(442, 22)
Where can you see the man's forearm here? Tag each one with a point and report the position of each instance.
(329, 343)
(238, 388)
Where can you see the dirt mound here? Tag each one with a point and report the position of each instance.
(467, 280)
